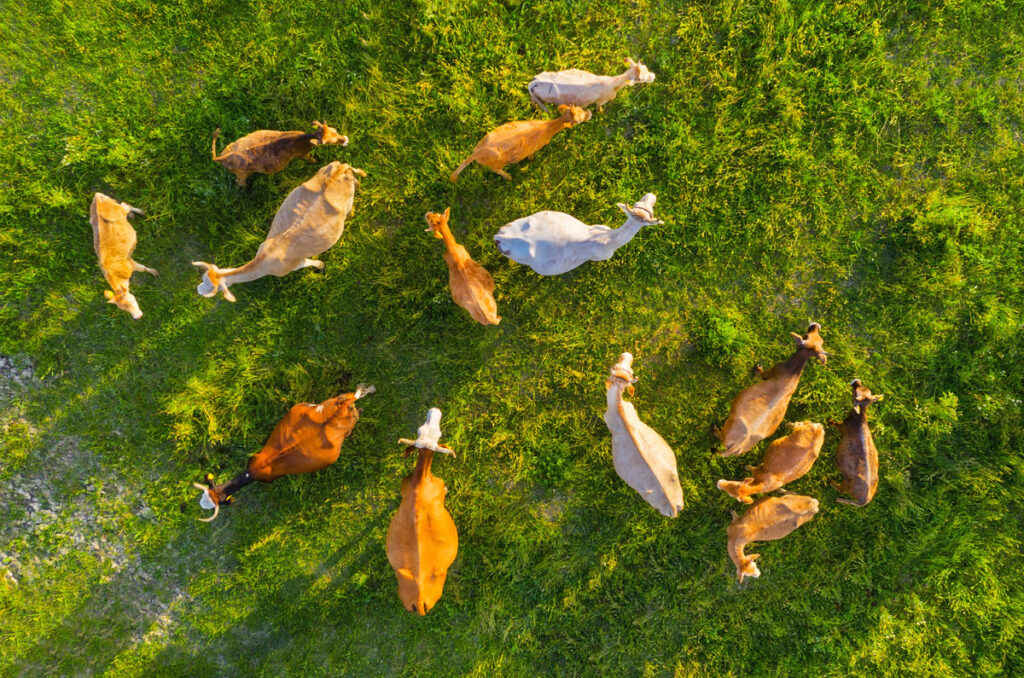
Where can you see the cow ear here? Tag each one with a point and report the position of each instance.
(109, 295)
(563, 108)
(447, 213)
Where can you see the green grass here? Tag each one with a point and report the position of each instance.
(855, 163)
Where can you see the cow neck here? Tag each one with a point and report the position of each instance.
(795, 363)
(423, 465)
(238, 482)
(735, 547)
(449, 242)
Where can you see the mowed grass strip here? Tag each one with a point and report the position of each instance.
(857, 164)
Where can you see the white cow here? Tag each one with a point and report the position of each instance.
(583, 88)
(554, 242)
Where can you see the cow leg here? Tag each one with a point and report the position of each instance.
(306, 263)
(141, 268)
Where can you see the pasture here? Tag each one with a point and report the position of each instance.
(855, 163)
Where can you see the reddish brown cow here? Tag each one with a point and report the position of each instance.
(769, 518)
(422, 540)
(308, 439)
(785, 460)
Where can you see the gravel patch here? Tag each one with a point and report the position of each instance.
(58, 501)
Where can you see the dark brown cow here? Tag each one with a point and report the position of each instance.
(856, 455)
(269, 151)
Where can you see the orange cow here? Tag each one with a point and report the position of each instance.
(785, 460)
(758, 410)
(422, 540)
(856, 455)
(513, 141)
(308, 439)
(471, 285)
(113, 239)
(268, 151)
(769, 518)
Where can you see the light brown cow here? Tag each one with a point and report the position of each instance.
(856, 455)
(113, 239)
(309, 221)
(422, 540)
(513, 141)
(471, 285)
(269, 151)
(769, 518)
(785, 460)
(758, 410)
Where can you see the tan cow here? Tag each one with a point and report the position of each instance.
(309, 221)
(513, 141)
(785, 460)
(769, 518)
(113, 239)
(856, 455)
(758, 410)
(269, 151)
(471, 285)
(422, 540)
(642, 458)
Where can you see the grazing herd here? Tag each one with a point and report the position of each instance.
(422, 540)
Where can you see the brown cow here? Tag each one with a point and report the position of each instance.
(268, 151)
(307, 439)
(785, 460)
(471, 285)
(769, 518)
(113, 239)
(856, 455)
(513, 141)
(422, 540)
(758, 410)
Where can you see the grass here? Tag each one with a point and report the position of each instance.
(854, 163)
